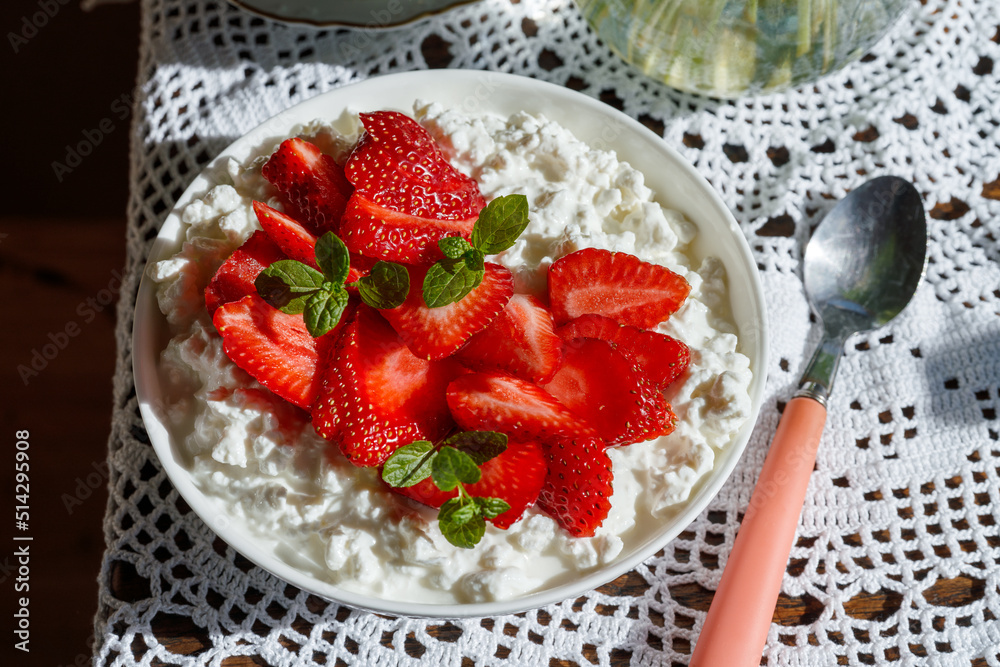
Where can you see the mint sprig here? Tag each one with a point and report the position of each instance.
(451, 464)
(321, 296)
(463, 267)
(500, 223)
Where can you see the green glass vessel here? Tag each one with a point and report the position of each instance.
(729, 48)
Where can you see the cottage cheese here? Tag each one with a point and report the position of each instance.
(266, 465)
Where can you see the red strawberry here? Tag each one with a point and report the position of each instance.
(604, 389)
(377, 396)
(271, 346)
(383, 233)
(577, 490)
(407, 195)
(434, 333)
(311, 183)
(360, 266)
(494, 401)
(515, 476)
(294, 239)
(234, 279)
(520, 341)
(616, 285)
(398, 165)
(660, 358)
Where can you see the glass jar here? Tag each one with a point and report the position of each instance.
(727, 48)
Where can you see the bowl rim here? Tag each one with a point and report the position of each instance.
(438, 7)
(149, 323)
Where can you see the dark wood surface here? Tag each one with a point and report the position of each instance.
(58, 275)
(62, 238)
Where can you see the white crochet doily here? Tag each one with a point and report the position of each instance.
(898, 549)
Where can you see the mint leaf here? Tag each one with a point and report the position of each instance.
(461, 523)
(475, 260)
(333, 258)
(287, 284)
(452, 467)
(480, 446)
(500, 223)
(409, 464)
(324, 308)
(385, 286)
(449, 281)
(491, 508)
(454, 247)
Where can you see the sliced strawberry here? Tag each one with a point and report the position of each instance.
(398, 165)
(659, 357)
(234, 279)
(310, 182)
(377, 396)
(360, 267)
(407, 195)
(383, 233)
(515, 476)
(521, 341)
(577, 490)
(616, 285)
(605, 390)
(271, 346)
(434, 333)
(291, 236)
(495, 401)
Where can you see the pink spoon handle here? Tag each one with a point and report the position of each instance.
(739, 618)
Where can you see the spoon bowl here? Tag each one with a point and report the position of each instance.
(861, 267)
(865, 260)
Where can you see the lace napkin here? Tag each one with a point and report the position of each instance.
(905, 499)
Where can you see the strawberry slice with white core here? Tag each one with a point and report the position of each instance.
(495, 401)
(515, 476)
(434, 333)
(311, 183)
(521, 341)
(289, 234)
(273, 347)
(577, 489)
(659, 357)
(616, 285)
(235, 278)
(377, 396)
(605, 390)
(407, 195)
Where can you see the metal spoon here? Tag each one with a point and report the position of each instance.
(862, 266)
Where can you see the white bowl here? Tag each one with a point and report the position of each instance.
(676, 185)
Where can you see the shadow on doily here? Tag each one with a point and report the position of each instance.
(963, 377)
